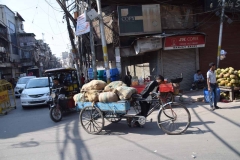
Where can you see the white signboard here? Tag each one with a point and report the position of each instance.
(82, 26)
(147, 45)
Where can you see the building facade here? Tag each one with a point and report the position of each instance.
(11, 67)
(153, 39)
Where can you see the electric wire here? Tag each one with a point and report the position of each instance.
(26, 8)
(59, 27)
(35, 11)
(52, 6)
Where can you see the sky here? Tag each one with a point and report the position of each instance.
(40, 18)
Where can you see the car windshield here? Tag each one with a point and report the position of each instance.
(23, 80)
(37, 83)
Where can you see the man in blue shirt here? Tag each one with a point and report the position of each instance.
(199, 79)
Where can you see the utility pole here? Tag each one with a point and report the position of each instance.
(103, 38)
(94, 67)
(79, 44)
(71, 37)
(220, 33)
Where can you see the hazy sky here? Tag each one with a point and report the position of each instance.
(40, 18)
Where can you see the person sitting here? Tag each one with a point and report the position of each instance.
(198, 80)
(56, 84)
(146, 95)
(61, 78)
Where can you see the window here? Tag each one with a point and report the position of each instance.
(23, 80)
(13, 36)
(22, 27)
(37, 83)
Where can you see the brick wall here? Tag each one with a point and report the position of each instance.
(230, 43)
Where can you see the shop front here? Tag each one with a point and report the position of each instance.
(169, 55)
(180, 56)
(142, 58)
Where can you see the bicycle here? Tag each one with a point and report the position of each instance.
(173, 117)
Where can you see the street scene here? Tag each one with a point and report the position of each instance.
(31, 134)
(126, 79)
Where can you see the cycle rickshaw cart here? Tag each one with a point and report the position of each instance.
(173, 118)
(62, 103)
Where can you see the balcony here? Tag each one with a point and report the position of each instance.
(3, 33)
(28, 44)
(3, 50)
(27, 62)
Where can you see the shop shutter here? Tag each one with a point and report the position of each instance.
(176, 62)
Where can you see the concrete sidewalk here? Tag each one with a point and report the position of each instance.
(193, 95)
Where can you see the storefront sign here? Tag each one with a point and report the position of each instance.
(230, 5)
(137, 20)
(184, 42)
(3, 96)
(147, 45)
(82, 25)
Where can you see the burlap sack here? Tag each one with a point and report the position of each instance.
(92, 96)
(113, 85)
(125, 93)
(94, 85)
(80, 97)
(108, 97)
(85, 87)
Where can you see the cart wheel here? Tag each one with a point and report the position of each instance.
(92, 119)
(174, 118)
(112, 117)
(55, 114)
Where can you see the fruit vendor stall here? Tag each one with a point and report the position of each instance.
(228, 81)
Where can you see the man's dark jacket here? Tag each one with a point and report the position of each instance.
(152, 86)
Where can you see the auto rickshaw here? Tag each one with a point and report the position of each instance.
(62, 97)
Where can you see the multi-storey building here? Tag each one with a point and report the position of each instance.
(9, 28)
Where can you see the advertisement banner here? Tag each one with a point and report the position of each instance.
(230, 5)
(4, 96)
(184, 42)
(147, 45)
(140, 19)
(82, 26)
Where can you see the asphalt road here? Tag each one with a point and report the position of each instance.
(30, 134)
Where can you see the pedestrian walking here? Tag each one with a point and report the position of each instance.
(212, 87)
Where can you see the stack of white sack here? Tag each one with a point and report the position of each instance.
(91, 92)
(113, 85)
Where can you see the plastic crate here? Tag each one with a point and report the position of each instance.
(139, 88)
(167, 87)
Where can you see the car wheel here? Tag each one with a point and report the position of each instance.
(23, 107)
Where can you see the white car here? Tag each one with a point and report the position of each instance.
(21, 85)
(36, 92)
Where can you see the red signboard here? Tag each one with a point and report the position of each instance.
(184, 42)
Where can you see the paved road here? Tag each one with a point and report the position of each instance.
(31, 135)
